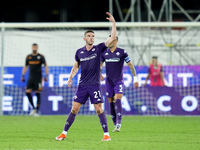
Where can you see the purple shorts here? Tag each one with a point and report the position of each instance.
(91, 91)
(117, 88)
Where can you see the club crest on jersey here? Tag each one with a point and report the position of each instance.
(81, 52)
(38, 57)
(117, 53)
(93, 49)
(106, 54)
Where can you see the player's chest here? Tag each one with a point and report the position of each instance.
(112, 56)
(34, 59)
(88, 55)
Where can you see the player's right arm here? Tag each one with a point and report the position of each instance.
(73, 73)
(24, 70)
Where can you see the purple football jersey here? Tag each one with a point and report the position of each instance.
(90, 64)
(114, 64)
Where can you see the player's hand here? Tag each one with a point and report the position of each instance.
(110, 18)
(102, 78)
(22, 78)
(69, 82)
(136, 84)
(46, 77)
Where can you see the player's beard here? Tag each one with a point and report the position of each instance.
(34, 51)
(90, 42)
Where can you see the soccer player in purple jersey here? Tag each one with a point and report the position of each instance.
(88, 57)
(114, 58)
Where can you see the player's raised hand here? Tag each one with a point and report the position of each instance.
(110, 18)
(69, 82)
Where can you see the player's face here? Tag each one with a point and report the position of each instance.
(154, 62)
(89, 38)
(34, 48)
(113, 44)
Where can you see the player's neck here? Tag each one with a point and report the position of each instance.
(112, 49)
(88, 47)
(34, 54)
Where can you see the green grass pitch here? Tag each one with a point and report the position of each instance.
(137, 133)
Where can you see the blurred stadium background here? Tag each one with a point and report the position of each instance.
(168, 29)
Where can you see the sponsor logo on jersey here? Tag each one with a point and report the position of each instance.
(81, 52)
(89, 57)
(29, 57)
(113, 60)
(106, 54)
(75, 97)
(93, 49)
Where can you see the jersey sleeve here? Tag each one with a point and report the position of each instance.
(26, 61)
(43, 61)
(102, 47)
(126, 57)
(76, 57)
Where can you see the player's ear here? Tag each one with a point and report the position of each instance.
(84, 39)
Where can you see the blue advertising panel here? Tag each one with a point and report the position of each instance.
(180, 97)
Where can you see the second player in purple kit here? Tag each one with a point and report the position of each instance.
(88, 57)
(114, 58)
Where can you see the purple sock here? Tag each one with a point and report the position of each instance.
(112, 112)
(103, 121)
(118, 110)
(69, 121)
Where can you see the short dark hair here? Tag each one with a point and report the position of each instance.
(88, 31)
(34, 44)
(116, 37)
(154, 57)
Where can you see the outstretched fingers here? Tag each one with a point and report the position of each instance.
(110, 18)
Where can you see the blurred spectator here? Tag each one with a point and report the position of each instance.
(155, 73)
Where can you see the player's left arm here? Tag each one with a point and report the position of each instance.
(113, 32)
(101, 76)
(162, 76)
(45, 68)
(133, 71)
(46, 72)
